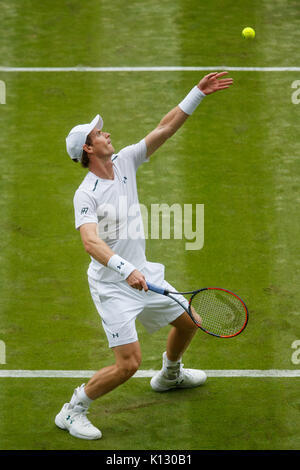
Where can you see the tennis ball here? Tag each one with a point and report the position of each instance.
(248, 33)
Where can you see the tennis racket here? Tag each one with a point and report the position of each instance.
(222, 313)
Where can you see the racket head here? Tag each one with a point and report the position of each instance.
(223, 313)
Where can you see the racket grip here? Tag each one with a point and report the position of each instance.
(158, 290)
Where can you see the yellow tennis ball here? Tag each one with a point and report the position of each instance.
(248, 33)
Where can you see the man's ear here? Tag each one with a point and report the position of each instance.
(87, 148)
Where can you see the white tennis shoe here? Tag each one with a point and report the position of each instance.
(175, 376)
(74, 420)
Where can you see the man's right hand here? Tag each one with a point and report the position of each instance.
(137, 280)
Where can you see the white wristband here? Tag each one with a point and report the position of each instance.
(121, 266)
(192, 100)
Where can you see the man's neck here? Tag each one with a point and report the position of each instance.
(104, 169)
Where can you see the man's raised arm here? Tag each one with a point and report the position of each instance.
(177, 116)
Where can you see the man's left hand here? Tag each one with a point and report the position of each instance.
(211, 83)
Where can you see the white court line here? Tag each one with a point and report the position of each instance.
(149, 373)
(80, 68)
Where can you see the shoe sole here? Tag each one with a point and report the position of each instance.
(59, 423)
(87, 438)
(174, 387)
(162, 389)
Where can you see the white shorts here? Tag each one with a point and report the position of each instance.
(119, 305)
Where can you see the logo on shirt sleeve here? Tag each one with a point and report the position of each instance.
(84, 210)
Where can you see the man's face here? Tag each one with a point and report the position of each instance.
(101, 143)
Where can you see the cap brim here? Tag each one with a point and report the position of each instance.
(96, 122)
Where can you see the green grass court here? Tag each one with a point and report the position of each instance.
(238, 155)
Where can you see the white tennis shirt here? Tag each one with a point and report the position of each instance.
(114, 206)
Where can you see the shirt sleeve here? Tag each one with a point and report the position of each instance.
(85, 209)
(137, 153)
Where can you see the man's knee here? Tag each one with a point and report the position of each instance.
(129, 363)
(129, 367)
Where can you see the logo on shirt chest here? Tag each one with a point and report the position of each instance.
(124, 179)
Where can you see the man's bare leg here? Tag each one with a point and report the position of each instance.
(180, 336)
(127, 362)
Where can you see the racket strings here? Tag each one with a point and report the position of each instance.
(221, 313)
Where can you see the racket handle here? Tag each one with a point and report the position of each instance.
(158, 290)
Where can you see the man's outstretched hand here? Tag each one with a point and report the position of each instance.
(213, 82)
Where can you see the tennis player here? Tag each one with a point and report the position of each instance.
(119, 269)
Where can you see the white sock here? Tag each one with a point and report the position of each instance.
(80, 397)
(171, 363)
(171, 368)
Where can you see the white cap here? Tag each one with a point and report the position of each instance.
(77, 137)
